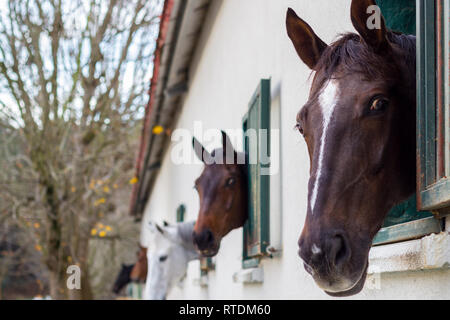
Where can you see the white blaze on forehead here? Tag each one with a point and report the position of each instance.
(327, 101)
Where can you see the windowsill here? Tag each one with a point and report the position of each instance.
(202, 281)
(429, 252)
(250, 275)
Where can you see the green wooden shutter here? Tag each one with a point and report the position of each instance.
(180, 212)
(433, 190)
(256, 229)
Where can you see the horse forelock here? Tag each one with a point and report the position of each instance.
(350, 54)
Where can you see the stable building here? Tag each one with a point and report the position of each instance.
(218, 65)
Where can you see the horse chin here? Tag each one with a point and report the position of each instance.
(208, 253)
(354, 289)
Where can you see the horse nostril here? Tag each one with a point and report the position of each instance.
(209, 236)
(304, 252)
(340, 251)
(204, 239)
(197, 239)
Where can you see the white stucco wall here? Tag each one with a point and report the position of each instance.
(244, 41)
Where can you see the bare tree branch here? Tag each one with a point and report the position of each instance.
(69, 116)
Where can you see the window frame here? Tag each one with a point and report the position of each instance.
(257, 226)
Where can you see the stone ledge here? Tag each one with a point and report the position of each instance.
(430, 252)
(202, 281)
(251, 275)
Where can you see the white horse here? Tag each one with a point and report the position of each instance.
(169, 249)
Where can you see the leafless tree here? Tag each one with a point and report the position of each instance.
(73, 79)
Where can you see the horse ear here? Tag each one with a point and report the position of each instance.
(200, 151)
(369, 22)
(227, 146)
(307, 44)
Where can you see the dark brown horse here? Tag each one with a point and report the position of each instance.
(139, 271)
(123, 278)
(359, 127)
(222, 188)
(132, 273)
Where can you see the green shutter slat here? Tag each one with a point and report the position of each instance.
(408, 230)
(180, 212)
(420, 98)
(265, 179)
(430, 91)
(446, 56)
(426, 93)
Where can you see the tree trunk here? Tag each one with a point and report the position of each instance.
(85, 292)
(86, 289)
(55, 257)
(57, 285)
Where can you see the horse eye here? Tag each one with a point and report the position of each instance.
(299, 127)
(230, 182)
(162, 258)
(378, 105)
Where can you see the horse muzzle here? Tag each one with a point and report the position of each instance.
(329, 260)
(353, 289)
(206, 243)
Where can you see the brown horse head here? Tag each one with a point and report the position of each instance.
(359, 127)
(222, 188)
(139, 271)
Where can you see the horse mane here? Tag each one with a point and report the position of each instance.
(351, 54)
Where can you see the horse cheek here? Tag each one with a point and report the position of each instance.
(229, 203)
